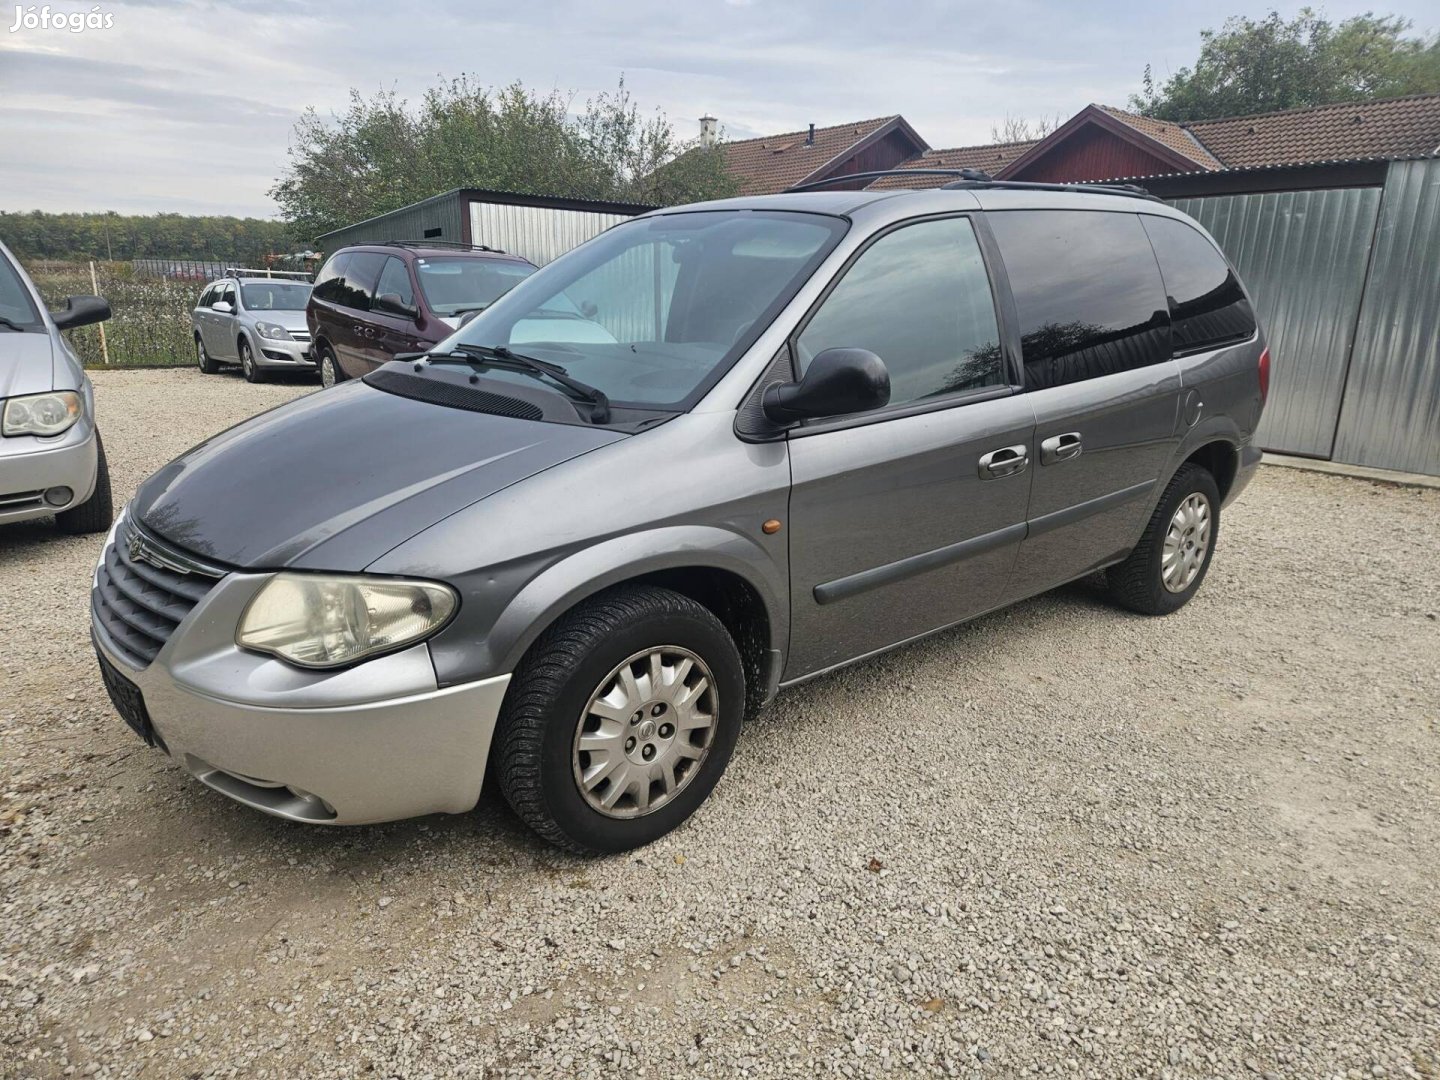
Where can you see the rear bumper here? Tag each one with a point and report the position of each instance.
(376, 742)
(28, 471)
(1247, 460)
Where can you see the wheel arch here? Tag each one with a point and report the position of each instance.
(720, 570)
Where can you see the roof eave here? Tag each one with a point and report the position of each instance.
(1093, 114)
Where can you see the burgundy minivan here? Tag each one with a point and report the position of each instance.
(372, 301)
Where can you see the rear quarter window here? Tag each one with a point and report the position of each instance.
(1087, 292)
(330, 282)
(1207, 305)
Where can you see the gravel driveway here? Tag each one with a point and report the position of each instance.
(1061, 840)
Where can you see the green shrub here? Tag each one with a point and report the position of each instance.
(150, 323)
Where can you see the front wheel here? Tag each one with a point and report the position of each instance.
(330, 372)
(1168, 565)
(96, 513)
(251, 370)
(621, 720)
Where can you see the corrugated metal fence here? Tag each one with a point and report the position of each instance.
(1347, 283)
(539, 233)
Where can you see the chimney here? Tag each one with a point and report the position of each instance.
(708, 135)
(810, 139)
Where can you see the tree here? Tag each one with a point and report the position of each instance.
(1017, 129)
(37, 235)
(1251, 66)
(381, 153)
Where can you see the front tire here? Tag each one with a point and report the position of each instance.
(620, 720)
(1167, 566)
(96, 513)
(330, 373)
(251, 370)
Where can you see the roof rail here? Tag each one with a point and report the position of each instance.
(975, 179)
(963, 174)
(245, 271)
(456, 244)
(1129, 191)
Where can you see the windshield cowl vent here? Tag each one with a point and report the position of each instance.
(437, 392)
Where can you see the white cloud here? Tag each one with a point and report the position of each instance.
(188, 105)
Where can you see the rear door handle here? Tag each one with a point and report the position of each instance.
(1007, 461)
(1060, 448)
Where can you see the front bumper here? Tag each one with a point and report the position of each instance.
(283, 353)
(30, 466)
(376, 742)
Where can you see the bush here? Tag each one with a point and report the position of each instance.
(150, 323)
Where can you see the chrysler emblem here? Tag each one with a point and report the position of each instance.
(141, 550)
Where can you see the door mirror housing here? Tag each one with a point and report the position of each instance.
(81, 311)
(837, 382)
(392, 304)
(224, 307)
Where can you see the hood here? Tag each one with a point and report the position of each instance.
(27, 364)
(336, 479)
(290, 320)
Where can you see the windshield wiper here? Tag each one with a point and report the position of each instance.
(11, 324)
(501, 356)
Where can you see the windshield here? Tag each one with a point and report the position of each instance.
(453, 286)
(654, 310)
(17, 311)
(274, 295)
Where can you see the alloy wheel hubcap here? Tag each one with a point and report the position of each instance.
(327, 372)
(246, 360)
(645, 732)
(1186, 542)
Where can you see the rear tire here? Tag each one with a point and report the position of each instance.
(207, 365)
(669, 742)
(330, 372)
(97, 513)
(250, 369)
(1168, 565)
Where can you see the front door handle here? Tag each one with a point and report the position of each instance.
(1060, 448)
(1007, 461)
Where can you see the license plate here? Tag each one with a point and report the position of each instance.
(127, 699)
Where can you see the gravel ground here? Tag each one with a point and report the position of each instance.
(1063, 840)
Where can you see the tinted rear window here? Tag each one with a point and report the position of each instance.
(1087, 291)
(1207, 306)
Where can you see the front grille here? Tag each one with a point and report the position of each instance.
(22, 500)
(144, 587)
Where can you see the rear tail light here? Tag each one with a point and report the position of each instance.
(1264, 376)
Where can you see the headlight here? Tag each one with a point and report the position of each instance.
(317, 621)
(272, 330)
(41, 414)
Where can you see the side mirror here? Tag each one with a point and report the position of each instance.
(81, 311)
(390, 302)
(224, 307)
(837, 382)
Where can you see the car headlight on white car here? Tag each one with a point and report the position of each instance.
(42, 414)
(323, 621)
(273, 331)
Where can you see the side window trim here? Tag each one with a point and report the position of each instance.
(1009, 338)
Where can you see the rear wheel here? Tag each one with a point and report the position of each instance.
(252, 370)
(96, 513)
(207, 365)
(1168, 565)
(621, 720)
(330, 372)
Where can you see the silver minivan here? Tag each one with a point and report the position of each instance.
(712, 453)
(51, 457)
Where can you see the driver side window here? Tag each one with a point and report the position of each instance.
(919, 298)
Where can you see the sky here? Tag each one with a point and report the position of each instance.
(187, 105)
